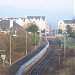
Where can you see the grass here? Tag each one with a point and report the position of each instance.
(68, 67)
(70, 42)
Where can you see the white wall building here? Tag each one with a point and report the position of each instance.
(62, 24)
(40, 21)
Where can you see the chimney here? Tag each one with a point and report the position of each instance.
(11, 23)
(1, 19)
(10, 18)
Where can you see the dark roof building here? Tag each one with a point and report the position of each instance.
(30, 17)
(69, 21)
(40, 21)
(5, 24)
(1, 19)
(62, 24)
(36, 17)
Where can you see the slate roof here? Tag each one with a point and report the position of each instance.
(15, 25)
(36, 17)
(69, 21)
(1, 19)
(23, 19)
(5, 24)
(31, 17)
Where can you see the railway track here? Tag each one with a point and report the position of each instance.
(15, 67)
(50, 57)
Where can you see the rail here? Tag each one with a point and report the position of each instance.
(21, 70)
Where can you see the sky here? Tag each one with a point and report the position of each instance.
(54, 10)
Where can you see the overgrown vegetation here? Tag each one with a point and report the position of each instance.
(35, 39)
(60, 31)
(69, 30)
(18, 45)
(32, 28)
(70, 42)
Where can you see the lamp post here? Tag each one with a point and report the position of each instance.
(10, 48)
(26, 44)
(35, 40)
(59, 52)
(64, 43)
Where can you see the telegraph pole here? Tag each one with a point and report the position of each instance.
(26, 44)
(10, 45)
(35, 40)
(64, 43)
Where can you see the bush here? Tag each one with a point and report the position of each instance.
(37, 39)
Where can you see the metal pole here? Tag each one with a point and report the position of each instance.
(35, 40)
(10, 50)
(3, 63)
(64, 45)
(26, 43)
(59, 58)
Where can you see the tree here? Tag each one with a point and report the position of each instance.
(32, 28)
(60, 31)
(37, 39)
(43, 31)
(69, 29)
(72, 34)
(2, 44)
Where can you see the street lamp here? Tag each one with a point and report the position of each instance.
(35, 40)
(26, 44)
(59, 52)
(10, 47)
(10, 50)
(39, 36)
(64, 43)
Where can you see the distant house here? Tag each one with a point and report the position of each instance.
(19, 21)
(63, 23)
(1, 19)
(8, 24)
(40, 21)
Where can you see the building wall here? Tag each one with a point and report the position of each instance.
(62, 25)
(20, 22)
(39, 22)
(11, 23)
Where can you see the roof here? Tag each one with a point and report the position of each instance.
(1, 19)
(36, 17)
(69, 21)
(15, 25)
(31, 17)
(5, 24)
(23, 19)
